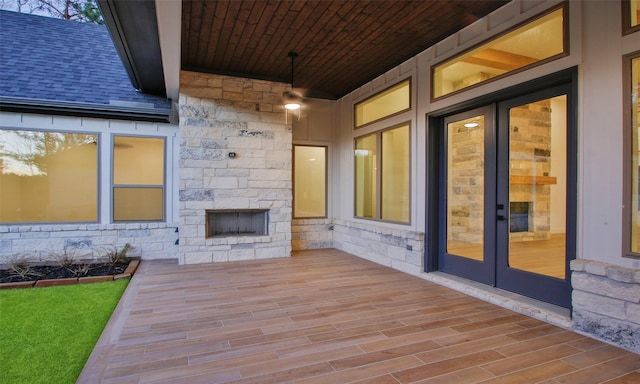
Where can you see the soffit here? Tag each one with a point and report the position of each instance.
(341, 44)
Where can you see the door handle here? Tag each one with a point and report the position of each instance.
(501, 218)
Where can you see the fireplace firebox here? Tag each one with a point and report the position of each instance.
(519, 216)
(240, 222)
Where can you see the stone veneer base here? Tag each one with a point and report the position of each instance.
(606, 302)
(149, 241)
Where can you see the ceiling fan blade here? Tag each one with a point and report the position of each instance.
(300, 94)
(313, 93)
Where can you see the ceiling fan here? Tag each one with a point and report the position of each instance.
(292, 98)
(296, 97)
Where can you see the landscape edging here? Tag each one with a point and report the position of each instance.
(129, 271)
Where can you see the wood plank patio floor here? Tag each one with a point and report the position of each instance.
(325, 316)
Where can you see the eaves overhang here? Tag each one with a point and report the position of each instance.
(133, 28)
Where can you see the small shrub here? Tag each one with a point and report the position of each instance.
(80, 269)
(113, 257)
(65, 258)
(68, 259)
(22, 266)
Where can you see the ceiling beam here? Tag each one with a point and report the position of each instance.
(494, 58)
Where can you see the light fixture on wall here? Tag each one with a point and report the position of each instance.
(292, 101)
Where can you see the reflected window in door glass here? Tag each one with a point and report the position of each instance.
(537, 187)
(465, 188)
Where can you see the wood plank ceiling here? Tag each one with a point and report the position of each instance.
(341, 44)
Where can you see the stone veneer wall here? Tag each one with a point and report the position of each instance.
(41, 242)
(396, 248)
(220, 115)
(311, 234)
(606, 302)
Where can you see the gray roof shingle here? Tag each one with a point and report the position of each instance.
(64, 61)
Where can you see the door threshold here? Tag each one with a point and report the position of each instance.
(540, 310)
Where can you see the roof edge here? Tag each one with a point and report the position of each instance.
(52, 107)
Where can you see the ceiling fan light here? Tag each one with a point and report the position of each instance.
(291, 101)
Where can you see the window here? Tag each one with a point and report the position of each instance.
(366, 176)
(532, 44)
(138, 178)
(632, 159)
(382, 175)
(630, 16)
(389, 102)
(309, 181)
(48, 177)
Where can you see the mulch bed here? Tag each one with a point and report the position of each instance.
(47, 275)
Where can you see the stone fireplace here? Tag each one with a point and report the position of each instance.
(235, 170)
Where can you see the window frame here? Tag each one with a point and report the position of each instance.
(113, 185)
(565, 43)
(98, 176)
(408, 80)
(628, 166)
(326, 181)
(627, 28)
(379, 162)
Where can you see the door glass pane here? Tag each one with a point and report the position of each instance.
(537, 187)
(465, 188)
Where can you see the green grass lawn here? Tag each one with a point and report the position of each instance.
(47, 334)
